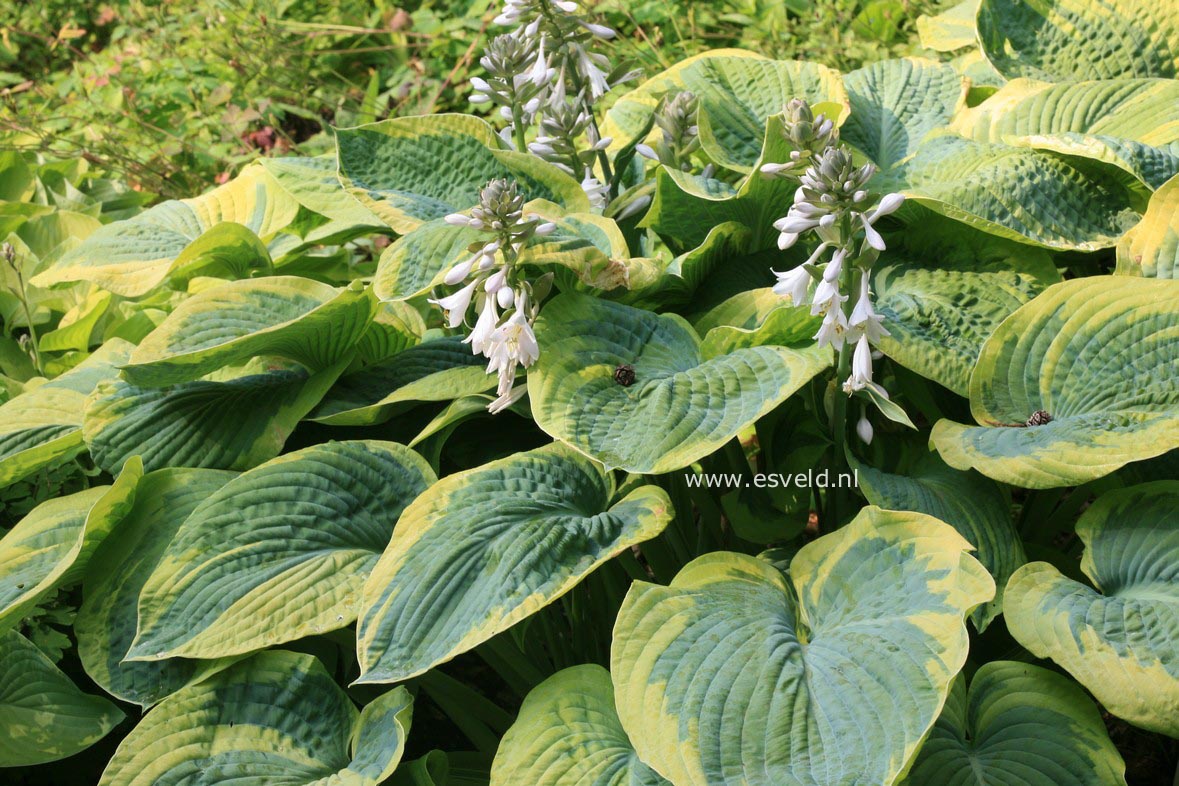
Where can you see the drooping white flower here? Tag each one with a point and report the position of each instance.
(794, 283)
(506, 400)
(864, 320)
(505, 297)
(484, 327)
(459, 273)
(832, 331)
(861, 372)
(596, 190)
(456, 305)
(864, 429)
(511, 344)
(827, 298)
(890, 203)
(872, 237)
(495, 281)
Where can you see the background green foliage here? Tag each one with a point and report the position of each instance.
(172, 96)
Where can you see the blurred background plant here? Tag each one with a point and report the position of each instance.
(174, 96)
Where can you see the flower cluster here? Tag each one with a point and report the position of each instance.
(680, 138)
(506, 303)
(833, 202)
(546, 73)
(809, 134)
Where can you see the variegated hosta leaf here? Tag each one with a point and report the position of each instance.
(312, 323)
(1151, 249)
(392, 168)
(1130, 123)
(49, 548)
(950, 30)
(686, 272)
(439, 370)
(567, 733)
(77, 325)
(1118, 640)
(737, 92)
(737, 674)
(43, 715)
(43, 426)
(313, 183)
(1020, 725)
(1099, 356)
(107, 619)
(895, 103)
(688, 209)
(1028, 195)
(944, 289)
(486, 548)
(277, 553)
(276, 718)
(585, 243)
(395, 328)
(132, 257)
(975, 506)
(235, 421)
(1063, 40)
(684, 403)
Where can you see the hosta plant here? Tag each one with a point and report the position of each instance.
(744, 423)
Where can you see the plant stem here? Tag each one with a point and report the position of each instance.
(23, 296)
(518, 128)
(839, 414)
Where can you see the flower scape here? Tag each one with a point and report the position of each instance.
(469, 452)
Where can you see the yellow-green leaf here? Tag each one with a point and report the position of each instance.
(486, 548)
(43, 715)
(306, 321)
(568, 732)
(1098, 355)
(108, 616)
(1151, 249)
(278, 553)
(49, 548)
(1117, 638)
(276, 718)
(736, 673)
(684, 403)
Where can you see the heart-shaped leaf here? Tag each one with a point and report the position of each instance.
(975, 506)
(483, 549)
(236, 421)
(736, 674)
(442, 369)
(297, 318)
(896, 103)
(1117, 637)
(1019, 725)
(109, 614)
(1151, 249)
(392, 168)
(1130, 123)
(277, 553)
(313, 183)
(43, 715)
(43, 426)
(951, 30)
(568, 732)
(944, 289)
(683, 404)
(1063, 40)
(1027, 195)
(277, 717)
(132, 257)
(1098, 356)
(49, 548)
